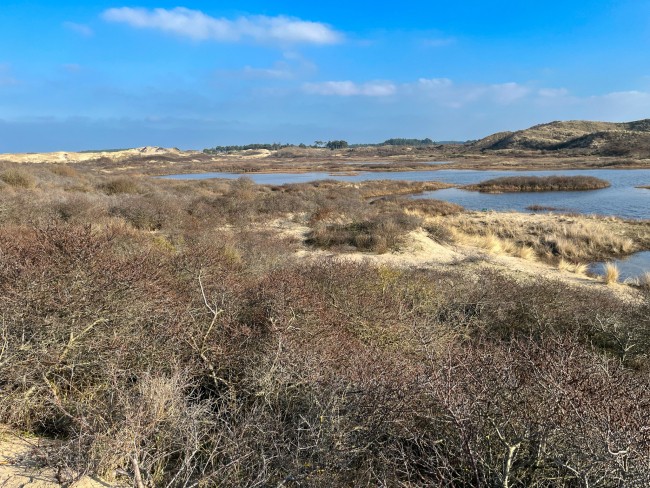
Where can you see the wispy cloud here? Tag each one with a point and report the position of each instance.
(199, 26)
(81, 29)
(441, 90)
(553, 92)
(72, 67)
(450, 94)
(349, 88)
(6, 77)
(438, 42)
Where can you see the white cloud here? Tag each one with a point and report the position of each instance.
(81, 29)
(507, 93)
(449, 94)
(553, 92)
(278, 72)
(201, 27)
(349, 88)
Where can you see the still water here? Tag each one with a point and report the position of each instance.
(630, 267)
(621, 199)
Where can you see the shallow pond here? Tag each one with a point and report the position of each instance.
(621, 199)
(631, 267)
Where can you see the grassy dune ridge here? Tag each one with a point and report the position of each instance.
(512, 184)
(167, 327)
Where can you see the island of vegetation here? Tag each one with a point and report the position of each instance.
(513, 184)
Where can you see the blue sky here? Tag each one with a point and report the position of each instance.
(95, 74)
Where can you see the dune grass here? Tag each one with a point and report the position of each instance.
(572, 238)
(610, 273)
(512, 184)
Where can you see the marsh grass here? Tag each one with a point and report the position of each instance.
(511, 184)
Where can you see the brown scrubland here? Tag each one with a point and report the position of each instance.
(510, 184)
(219, 333)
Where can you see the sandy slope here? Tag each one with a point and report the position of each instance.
(420, 251)
(20, 466)
(79, 157)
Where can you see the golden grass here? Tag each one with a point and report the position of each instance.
(576, 268)
(551, 237)
(611, 274)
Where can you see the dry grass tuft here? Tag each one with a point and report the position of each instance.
(610, 273)
(576, 268)
(65, 171)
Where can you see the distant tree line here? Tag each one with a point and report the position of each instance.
(407, 142)
(225, 149)
(335, 144)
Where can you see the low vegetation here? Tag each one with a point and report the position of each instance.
(575, 238)
(167, 332)
(512, 184)
(17, 178)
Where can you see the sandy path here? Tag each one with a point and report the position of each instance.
(20, 466)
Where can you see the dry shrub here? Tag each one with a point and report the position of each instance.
(206, 355)
(382, 234)
(432, 207)
(64, 170)
(120, 185)
(17, 178)
(189, 369)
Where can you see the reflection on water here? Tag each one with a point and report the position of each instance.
(621, 199)
(630, 267)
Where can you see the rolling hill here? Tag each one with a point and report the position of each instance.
(574, 137)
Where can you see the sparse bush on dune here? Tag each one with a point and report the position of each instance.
(379, 188)
(17, 178)
(380, 234)
(432, 207)
(65, 170)
(119, 185)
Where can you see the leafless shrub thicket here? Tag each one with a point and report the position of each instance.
(200, 354)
